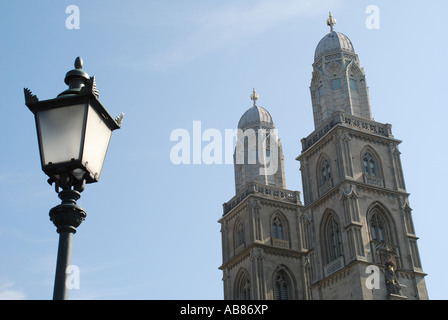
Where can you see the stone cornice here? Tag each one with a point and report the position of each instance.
(346, 270)
(245, 254)
(265, 200)
(360, 185)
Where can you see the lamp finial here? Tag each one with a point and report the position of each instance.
(78, 63)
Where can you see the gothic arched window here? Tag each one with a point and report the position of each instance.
(333, 239)
(370, 166)
(336, 84)
(353, 84)
(379, 228)
(278, 231)
(246, 150)
(382, 235)
(325, 172)
(239, 234)
(281, 287)
(243, 286)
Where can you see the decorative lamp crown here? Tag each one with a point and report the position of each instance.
(74, 131)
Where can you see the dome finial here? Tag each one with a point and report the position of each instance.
(254, 97)
(331, 22)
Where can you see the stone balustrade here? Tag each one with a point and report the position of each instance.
(257, 188)
(346, 120)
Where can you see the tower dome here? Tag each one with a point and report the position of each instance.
(258, 156)
(333, 42)
(338, 81)
(256, 116)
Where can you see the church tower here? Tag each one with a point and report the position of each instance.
(353, 238)
(258, 155)
(262, 251)
(354, 189)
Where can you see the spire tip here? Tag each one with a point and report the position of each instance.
(254, 97)
(331, 21)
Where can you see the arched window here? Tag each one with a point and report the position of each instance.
(370, 166)
(379, 228)
(281, 287)
(336, 84)
(324, 175)
(353, 84)
(246, 150)
(242, 286)
(333, 239)
(382, 235)
(325, 172)
(239, 234)
(308, 228)
(278, 228)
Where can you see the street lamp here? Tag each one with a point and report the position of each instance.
(73, 132)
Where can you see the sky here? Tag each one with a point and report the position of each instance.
(151, 230)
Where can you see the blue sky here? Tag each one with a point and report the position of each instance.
(151, 230)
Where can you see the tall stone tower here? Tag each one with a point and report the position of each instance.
(354, 189)
(353, 238)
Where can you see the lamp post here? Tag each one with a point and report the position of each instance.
(73, 131)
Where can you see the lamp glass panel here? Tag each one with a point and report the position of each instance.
(96, 142)
(61, 133)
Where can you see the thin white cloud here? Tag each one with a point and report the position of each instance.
(233, 26)
(8, 293)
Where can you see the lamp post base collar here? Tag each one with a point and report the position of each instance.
(68, 215)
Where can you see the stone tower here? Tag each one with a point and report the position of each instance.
(354, 191)
(258, 155)
(262, 252)
(353, 238)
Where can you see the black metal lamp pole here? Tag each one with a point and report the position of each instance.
(66, 217)
(74, 132)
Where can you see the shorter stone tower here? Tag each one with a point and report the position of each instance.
(258, 154)
(262, 249)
